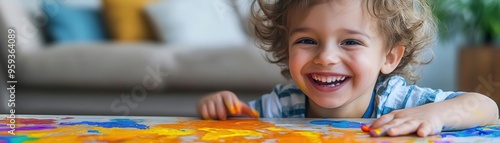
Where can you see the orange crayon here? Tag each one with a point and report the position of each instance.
(365, 128)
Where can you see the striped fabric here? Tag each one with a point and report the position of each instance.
(288, 101)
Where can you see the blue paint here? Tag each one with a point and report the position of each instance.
(476, 131)
(338, 124)
(94, 131)
(114, 123)
(16, 139)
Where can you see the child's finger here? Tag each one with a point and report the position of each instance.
(383, 124)
(237, 105)
(382, 121)
(393, 123)
(424, 129)
(230, 104)
(403, 129)
(204, 112)
(211, 110)
(245, 109)
(221, 110)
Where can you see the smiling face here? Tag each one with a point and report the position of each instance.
(336, 54)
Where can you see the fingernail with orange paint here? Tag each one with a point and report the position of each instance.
(238, 107)
(230, 108)
(255, 113)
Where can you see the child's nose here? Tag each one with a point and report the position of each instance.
(328, 55)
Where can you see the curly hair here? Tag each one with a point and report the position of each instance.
(406, 22)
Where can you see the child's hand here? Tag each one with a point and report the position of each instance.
(220, 105)
(421, 120)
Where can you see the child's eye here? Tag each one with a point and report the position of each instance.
(306, 41)
(351, 42)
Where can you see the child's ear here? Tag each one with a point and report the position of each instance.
(392, 59)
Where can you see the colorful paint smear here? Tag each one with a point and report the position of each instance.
(486, 131)
(30, 121)
(67, 118)
(191, 130)
(16, 139)
(28, 128)
(338, 124)
(114, 123)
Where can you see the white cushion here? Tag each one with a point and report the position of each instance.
(14, 14)
(197, 22)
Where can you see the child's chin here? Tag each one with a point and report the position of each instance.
(323, 103)
(332, 106)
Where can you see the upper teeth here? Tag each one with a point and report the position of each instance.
(327, 79)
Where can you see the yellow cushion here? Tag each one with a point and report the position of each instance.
(126, 20)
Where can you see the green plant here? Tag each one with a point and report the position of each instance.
(477, 20)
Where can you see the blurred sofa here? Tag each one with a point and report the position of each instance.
(63, 69)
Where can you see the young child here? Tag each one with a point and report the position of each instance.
(352, 59)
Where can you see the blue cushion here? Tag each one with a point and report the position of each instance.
(73, 24)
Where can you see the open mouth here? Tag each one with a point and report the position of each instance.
(328, 80)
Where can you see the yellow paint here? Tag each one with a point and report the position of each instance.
(172, 132)
(312, 136)
(278, 129)
(378, 131)
(216, 134)
(121, 131)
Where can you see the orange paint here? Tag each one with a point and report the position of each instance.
(232, 109)
(235, 130)
(238, 107)
(256, 114)
(365, 128)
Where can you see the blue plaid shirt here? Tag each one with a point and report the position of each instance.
(288, 101)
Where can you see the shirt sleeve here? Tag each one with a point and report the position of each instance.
(285, 101)
(394, 94)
